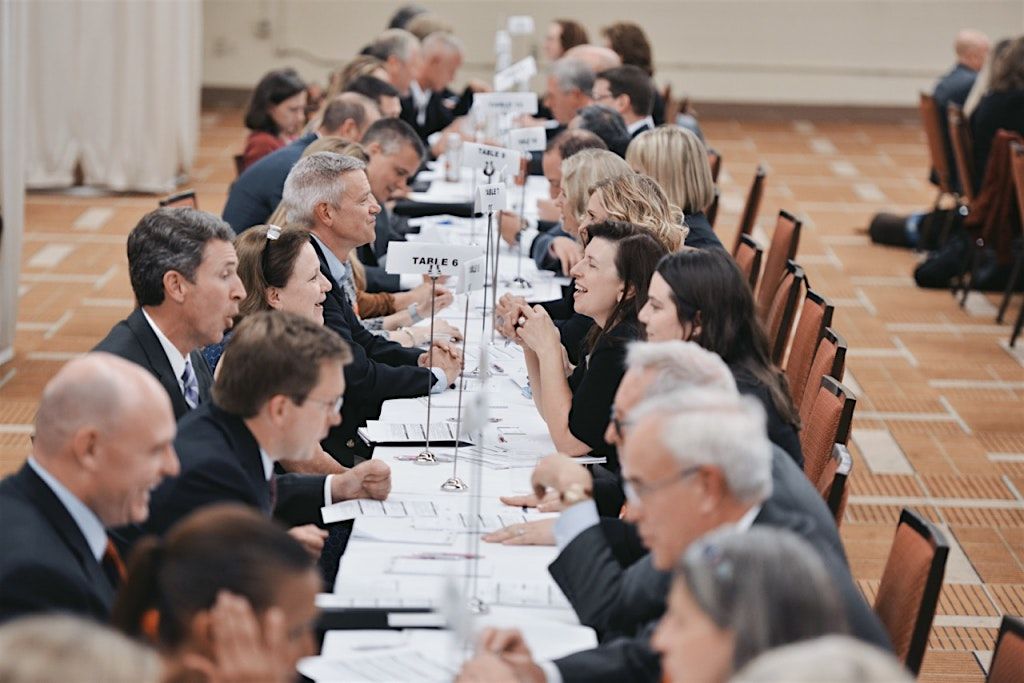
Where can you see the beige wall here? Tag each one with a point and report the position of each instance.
(867, 52)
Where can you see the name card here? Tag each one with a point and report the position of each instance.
(520, 72)
(520, 24)
(506, 102)
(475, 155)
(423, 258)
(471, 276)
(490, 198)
(528, 139)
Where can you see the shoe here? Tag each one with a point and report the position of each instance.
(889, 229)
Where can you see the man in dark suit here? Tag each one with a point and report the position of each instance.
(183, 272)
(255, 194)
(971, 49)
(630, 91)
(102, 441)
(229, 447)
(430, 106)
(724, 471)
(329, 195)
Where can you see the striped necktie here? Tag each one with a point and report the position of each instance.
(190, 384)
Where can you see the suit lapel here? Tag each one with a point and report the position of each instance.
(54, 511)
(157, 359)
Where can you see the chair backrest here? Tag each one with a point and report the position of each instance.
(1008, 659)
(782, 248)
(930, 121)
(829, 361)
(832, 483)
(748, 258)
(753, 204)
(815, 316)
(715, 159)
(829, 423)
(183, 198)
(781, 314)
(711, 213)
(1017, 166)
(910, 585)
(963, 150)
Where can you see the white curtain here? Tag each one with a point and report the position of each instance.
(113, 85)
(13, 44)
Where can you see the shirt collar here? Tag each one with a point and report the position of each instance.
(339, 269)
(747, 520)
(420, 97)
(268, 464)
(637, 125)
(174, 356)
(86, 520)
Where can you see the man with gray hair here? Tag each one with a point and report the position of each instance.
(330, 196)
(183, 270)
(431, 106)
(570, 82)
(255, 194)
(400, 52)
(102, 441)
(692, 461)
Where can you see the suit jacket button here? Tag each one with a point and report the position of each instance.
(351, 443)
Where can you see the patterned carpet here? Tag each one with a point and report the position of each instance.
(940, 417)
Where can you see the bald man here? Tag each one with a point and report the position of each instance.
(597, 57)
(971, 49)
(103, 440)
(431, 106)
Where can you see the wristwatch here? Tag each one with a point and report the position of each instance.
(576, 493)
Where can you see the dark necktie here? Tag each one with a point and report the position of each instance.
(113, 565)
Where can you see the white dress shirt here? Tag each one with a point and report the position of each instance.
(637, 125)
(174, 356)
(268, 472)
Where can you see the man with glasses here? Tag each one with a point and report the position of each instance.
(228, 447)
(693, 461)
(628, 90)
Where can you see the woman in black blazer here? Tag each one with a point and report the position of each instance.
(610, 287)
(701, 296)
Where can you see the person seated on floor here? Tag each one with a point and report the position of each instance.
(847, 661)
(562, 35)
(183, 270)
(275, 115)
(701, 296)
(226, 595)
(605, 123)
(61, 647)
(629, 90)
(610, 287)
(734, 595)
(399, 51)
(256, 193)
(230, 446)
(692, 462)
(101, 441)
(678, 161)
(330, 196)
(972, 49)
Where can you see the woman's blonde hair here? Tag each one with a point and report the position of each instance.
(678, 161)
(582, 170)
(636, 198)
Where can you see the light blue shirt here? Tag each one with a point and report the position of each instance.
(86, 520)
(340, 271)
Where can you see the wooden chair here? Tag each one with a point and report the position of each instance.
(712, 211)
(815, 317)
(938, 144)
(782, 312)
(715, 160)
(1008, 658)
(829, 424)
(829, 361)
(183, 198)
(782, 248)
(910, 585)
(748, 258)
(832, 483)
(963, 154)
(1017, 166)
(753, 204)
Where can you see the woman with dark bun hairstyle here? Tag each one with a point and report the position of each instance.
(275, 116)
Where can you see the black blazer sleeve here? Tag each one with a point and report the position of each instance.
(299, 498)
(623, 660)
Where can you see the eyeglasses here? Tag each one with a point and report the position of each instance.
(334, 404)
(638, 490)
(273, 232)
(604, 96)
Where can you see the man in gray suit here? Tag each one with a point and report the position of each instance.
(693, 461)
